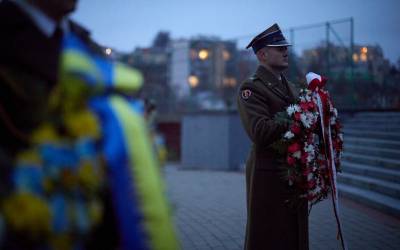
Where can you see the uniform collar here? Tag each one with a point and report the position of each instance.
(44, 23)
(266, 76)
(273, 83)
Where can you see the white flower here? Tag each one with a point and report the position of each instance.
(297, 154)
(310, 176)
(305, 120)
(310, 116)
(309, 148)
(292, 109)
(317, 189)
(335, 113)
(310, 158)
(341, 136)
(333, 120)
(302, 99)
(288, 135)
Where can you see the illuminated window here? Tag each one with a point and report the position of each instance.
(193, 81)
(355, 57)
(229, 81)
(364, 50)
(226, 55)
(203, 54)
(363, 57)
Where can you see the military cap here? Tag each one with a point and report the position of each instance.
(270, 37)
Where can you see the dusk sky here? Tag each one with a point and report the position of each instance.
(126, 24)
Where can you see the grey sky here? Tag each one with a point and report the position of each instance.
(126, 24)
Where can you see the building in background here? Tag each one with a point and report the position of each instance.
(154, 63)
(204, 69)
(180, 68)
(370, 62)
(367, 62)
(247, 64)
(203, 73)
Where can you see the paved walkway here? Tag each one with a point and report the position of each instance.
(210, 213)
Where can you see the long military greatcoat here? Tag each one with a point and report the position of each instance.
(271, 222)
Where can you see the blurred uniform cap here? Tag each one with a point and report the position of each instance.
(272, 37)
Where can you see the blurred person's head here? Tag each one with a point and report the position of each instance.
(271, 49)
(55, 9)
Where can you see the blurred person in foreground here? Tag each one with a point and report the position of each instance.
(157, 138)
(271, 222)
(77, 165)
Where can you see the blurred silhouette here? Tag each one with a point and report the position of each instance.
(77, 166)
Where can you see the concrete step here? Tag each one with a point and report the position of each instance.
(377, 115)
(395, 136)
(371, 160)
(373, 127)
(371, 171)
(393, 154)
(380, 120)
(375, 200)
(386, 144)
(380, 186)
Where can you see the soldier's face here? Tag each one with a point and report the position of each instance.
(277, 57)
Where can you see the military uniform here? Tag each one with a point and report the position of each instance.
(271, 222)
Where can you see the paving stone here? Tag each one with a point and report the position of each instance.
(210, 213)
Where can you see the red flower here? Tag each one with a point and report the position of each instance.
(304, 106)
(337, 145)
(338, 125)
(311, 184)
(291, 161)
(306, 171)
(304, 156)
(294, 147)
(311, 105)
(295, 129)
(297, 116)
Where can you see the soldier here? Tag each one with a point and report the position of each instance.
(271, 222)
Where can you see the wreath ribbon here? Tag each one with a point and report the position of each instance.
(316, 84)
